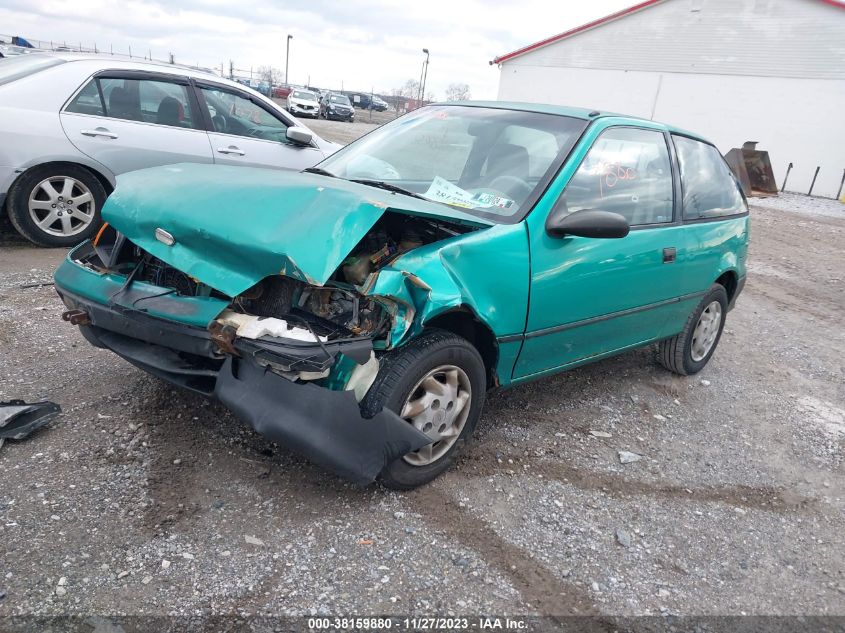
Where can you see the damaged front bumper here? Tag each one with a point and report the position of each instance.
(324, 425)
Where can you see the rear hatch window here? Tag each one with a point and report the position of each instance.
(12, 68)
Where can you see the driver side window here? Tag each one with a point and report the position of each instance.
(232, 113)
(627, 171)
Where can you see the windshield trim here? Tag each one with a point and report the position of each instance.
(536, 194)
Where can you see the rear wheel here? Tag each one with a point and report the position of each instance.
(56, 205)
(688, 352)
(437, 383)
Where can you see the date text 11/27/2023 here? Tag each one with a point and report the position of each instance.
(479, 623)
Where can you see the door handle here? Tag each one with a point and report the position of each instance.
(100, 131)
(669, 255)
(231, 150)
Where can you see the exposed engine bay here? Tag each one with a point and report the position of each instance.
(283, 307)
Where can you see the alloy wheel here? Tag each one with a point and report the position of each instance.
(438, 406)
(706, 331)
(61, 206)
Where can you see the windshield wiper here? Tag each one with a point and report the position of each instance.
(320, 171)
(380, 184)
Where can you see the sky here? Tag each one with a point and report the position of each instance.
(355, 44)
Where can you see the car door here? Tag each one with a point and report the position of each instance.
(245, 131)
(592, 297)
(130, 120)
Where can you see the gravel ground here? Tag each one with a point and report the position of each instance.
(805, 205)
(141, 499)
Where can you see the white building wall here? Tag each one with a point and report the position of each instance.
(771, 71)
(774, 38)
(801, 121)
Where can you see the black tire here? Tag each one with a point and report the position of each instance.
(675, 353)
(400, 371)
(17, 203)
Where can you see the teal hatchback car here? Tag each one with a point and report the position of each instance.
(358, 311)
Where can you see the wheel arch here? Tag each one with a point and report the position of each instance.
(463, 321)
(106, 181)
(729, 280)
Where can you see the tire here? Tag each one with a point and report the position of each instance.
(398, 380)
(682, 353)
(60, 233)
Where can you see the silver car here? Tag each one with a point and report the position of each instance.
(70, 123)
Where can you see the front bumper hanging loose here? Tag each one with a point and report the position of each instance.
(323, 425)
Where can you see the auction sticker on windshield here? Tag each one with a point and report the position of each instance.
(441, 190)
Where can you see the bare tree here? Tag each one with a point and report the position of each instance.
(410, 89)
(458, 92)
(271, 75)
(404, 93)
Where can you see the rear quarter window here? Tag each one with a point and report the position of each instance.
(710, 189)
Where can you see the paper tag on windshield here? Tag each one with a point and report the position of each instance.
(441, 190)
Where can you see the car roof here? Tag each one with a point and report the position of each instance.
(124, 61)
(576, 113)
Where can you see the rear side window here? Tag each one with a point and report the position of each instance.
(12, 68)
(144, 100)
(710, 190)
(627, 171)
(87, 101)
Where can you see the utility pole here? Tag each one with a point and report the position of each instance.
(425, 75)
(419, 83)
(231, 69)
(287, 59)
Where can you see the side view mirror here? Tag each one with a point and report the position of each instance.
(586, 223)
(299, 135)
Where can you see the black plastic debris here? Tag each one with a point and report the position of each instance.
(18, 418)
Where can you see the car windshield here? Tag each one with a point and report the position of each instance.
(487, 161)
(12, 68)
(339, 99)
(305, 96)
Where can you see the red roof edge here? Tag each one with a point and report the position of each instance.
(577, 29)
(599, 22)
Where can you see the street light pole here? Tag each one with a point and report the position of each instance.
(425, 75)
(287, 59)
(419, 83)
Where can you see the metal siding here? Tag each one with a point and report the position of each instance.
(796, 120)
(766, 38)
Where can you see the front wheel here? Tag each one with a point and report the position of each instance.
(437, 383)
(56, 205)
(688, 352)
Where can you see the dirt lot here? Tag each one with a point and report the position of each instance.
(344, 132)
(140, 499)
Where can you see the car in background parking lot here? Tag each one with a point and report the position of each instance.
(367, 101)
(70, 123)
(335, 105)
(12, 50)
(303, 103)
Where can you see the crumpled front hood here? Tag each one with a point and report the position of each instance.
(234, 226)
